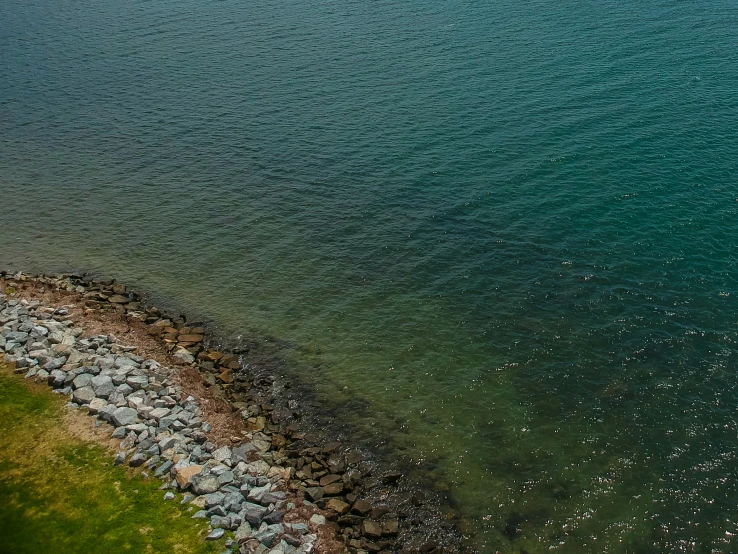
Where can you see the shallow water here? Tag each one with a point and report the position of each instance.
(501, 235)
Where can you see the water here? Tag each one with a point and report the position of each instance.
(498, 236)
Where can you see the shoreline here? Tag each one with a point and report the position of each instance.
(369, 501)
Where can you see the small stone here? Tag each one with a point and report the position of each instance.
(222, 454)
(317, 519)
(329, 479)
(253, 513)
(361, 507)
(169, 496)
(124, 416)
(83, 395)
(158, 413)
(102, 385)
(390, 527)
(186, 474)
(96, 404)
(215, 534)
(338, 506)
(244, 531)
(205, 484)
(371, 529)
(82, 380)
(333, 489)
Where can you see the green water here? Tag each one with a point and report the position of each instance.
(500, 237)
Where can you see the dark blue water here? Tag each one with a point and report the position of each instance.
(505, 230)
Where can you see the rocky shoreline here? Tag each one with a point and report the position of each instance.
(220, 434)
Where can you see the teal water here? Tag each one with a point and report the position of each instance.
(500, 236)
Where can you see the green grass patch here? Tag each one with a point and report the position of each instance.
(63, 495)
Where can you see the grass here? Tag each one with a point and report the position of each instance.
(61, 494)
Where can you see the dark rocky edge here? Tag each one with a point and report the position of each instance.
(284, 484)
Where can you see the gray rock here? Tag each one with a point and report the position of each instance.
(137, 381)
(102, 385)
(124, 416)
(244, 531)
(253, 513)
(200, 514)
(270, 536)
(96, 404)
(232, 502)
(83, 395)
(205, 484)
(214, 498)
(55, 363)
(169, 496)
(57, 378)
(119, 433)
(82, 380)
(163, 468)
(221, 454)
(158, 413)
(217, 511)
(138, 459)
(275, 516)
(215, 534)
(225, 478)
(257, 493)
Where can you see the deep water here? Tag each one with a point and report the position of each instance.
(500, 236)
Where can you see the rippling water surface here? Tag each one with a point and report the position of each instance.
(501, 236)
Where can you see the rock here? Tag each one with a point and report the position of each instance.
(96, 404)
(269, 537)
(204, 484)
(390, 527)
(220, 522)
(57, 378)
(190, 338)
(118, 299)
(361, 507)
(163, 468)
(379, 512)
(338, 506)
(137, 382)
(314, 493)
(157, 413)
(371, 528)
(186, 474)
(55, 363)
(124, 416)
(333, 489)
(215, 534)
(83, 395)
(317, 519)
(253, 513)
(169, 496)
(257, 493)
(185, 356)
(214, 499)
(102, 385)
(119, 433)
(329, 479)
(275, 516)
(222, 454)
(243, 532)
(82, 380)
(137, 459)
